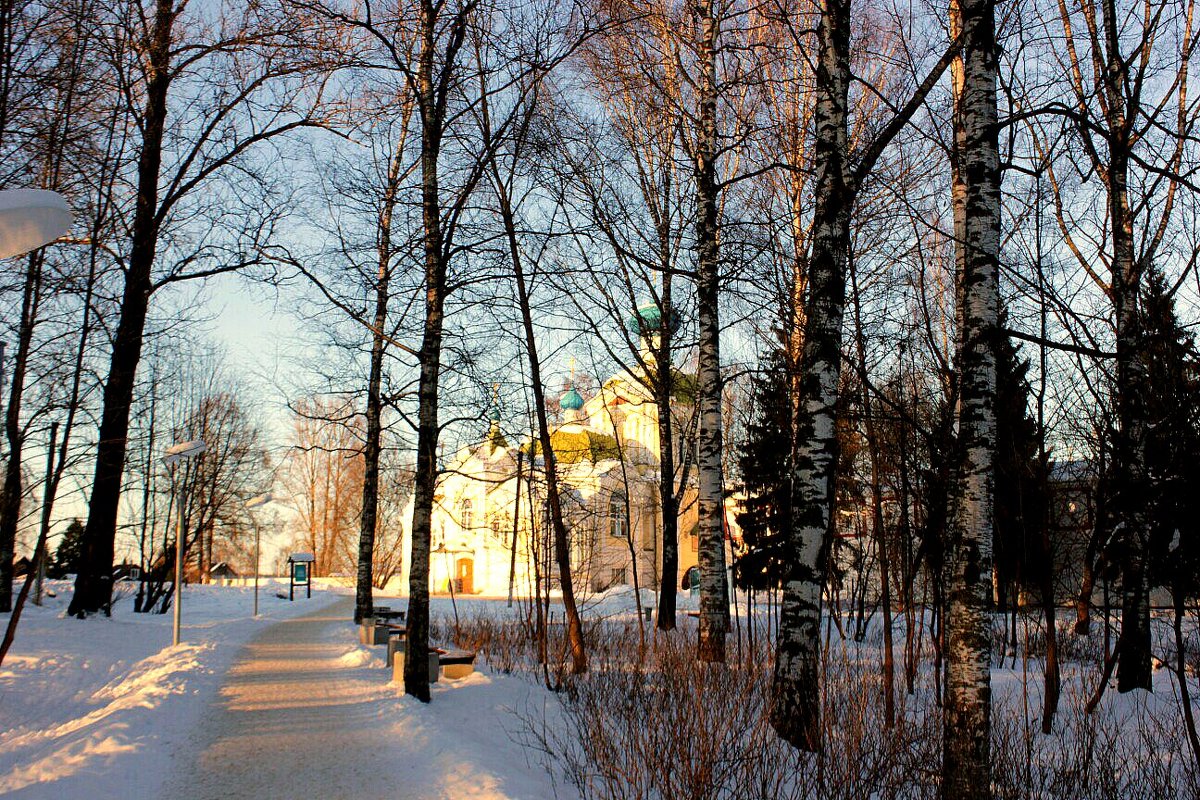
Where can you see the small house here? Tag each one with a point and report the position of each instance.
(222, 573)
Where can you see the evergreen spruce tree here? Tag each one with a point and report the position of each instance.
(68, 552)
(1172, 402)
(1020, 554)
(765, 461)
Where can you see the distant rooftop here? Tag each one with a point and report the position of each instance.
(1076, 470)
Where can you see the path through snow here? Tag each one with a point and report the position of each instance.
(305, 712)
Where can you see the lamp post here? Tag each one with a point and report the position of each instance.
(174, 454)
(252, 503)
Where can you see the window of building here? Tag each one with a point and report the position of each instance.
(466, 517)
(616, 516)
(501, 525)
(650, 527)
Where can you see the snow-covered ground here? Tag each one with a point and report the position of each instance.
(106, 708)
(95, 708)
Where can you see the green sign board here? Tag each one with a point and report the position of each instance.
(300, 572)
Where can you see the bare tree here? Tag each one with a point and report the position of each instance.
(322, 476)
(160, 56)
(1126, 70)
(966, 737)
(795, 705)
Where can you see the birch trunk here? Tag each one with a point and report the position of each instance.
(714, 593)
(1129, 456)
(795, 699)
(966, 767)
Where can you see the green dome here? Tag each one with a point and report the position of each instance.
(571, 401)
(647, 320)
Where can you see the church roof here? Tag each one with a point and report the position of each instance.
(571, 401)
(572, 447)
(647, 320)
(683, 386)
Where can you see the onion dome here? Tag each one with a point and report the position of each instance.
(571, 401)
(648, 321)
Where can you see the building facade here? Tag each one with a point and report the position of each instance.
(491, 531)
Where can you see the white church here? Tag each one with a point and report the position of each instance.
(490, 528)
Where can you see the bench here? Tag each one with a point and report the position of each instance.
(398, 656)
(373, 631)
(395, 642)
(456, 663)
(387, 615)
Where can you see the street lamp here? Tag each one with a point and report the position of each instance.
(31, 218)
(252, 503)
(174, 454)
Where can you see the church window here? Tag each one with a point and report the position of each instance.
(650, 526)
(465, 515)
(616, 516)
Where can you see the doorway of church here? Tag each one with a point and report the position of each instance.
(465, 576)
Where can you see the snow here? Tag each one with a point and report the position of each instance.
(95, 708)
(106, 708)
(291, 705)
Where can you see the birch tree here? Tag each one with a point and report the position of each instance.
(795, 697)
(714, 589)
(966, 735)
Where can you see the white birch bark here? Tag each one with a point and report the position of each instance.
(714, 595)
(966, 768)
(795, 699)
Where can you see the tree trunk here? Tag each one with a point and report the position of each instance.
(416, 666)
(10, 500)
(714, 595)
(93, 584)
(795, 701)
(562, 543)
(1133, 666)
(664, 385)
(966, 767)
(363, 595)
(1181, 672)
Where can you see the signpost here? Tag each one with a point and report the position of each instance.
(300, 573)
